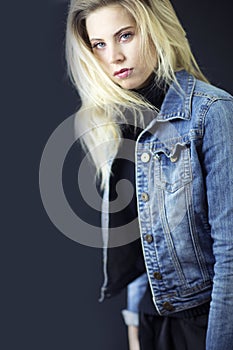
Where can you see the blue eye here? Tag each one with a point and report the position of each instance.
(126, 36)
(100, 45)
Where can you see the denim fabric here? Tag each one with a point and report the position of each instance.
(184, 184)
(135, 291)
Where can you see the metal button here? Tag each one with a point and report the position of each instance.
(145, 197)
(157, 276)
(174, 159)
(148, 238)
(167, 306)
(145, 157)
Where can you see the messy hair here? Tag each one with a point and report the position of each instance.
(104, 103)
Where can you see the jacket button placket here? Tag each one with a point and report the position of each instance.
(146, 224)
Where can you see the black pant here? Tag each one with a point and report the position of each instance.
(172, 333)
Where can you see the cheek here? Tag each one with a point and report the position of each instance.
(100, 58)
(102, 61)
(141, 62)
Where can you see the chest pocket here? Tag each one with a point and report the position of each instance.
(172, 166)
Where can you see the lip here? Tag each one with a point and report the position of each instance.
(123, 73)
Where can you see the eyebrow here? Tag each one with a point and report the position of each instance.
(116, 34)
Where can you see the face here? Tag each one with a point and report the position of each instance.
(115, 42)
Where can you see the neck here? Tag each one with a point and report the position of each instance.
(152, 92)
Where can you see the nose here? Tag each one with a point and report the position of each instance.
(116, 54)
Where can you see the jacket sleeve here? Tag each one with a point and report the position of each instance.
(135, 292)
(218, 165)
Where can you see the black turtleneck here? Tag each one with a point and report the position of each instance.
(152, 92)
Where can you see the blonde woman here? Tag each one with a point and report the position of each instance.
(138, 81)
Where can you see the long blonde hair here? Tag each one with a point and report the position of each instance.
(104, 103)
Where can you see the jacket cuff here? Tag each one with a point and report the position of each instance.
(130, 318)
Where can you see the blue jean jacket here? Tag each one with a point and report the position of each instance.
(184, 186)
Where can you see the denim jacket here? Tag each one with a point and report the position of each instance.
(184, 188)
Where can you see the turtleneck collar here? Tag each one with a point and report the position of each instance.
(152, 92)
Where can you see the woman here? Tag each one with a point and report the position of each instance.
(131, 59)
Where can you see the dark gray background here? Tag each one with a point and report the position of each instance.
(50, 284)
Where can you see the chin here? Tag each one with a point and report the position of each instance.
(128, 85)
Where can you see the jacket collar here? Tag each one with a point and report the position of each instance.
(177, 102)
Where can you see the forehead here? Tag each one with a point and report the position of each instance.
(108, 20)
